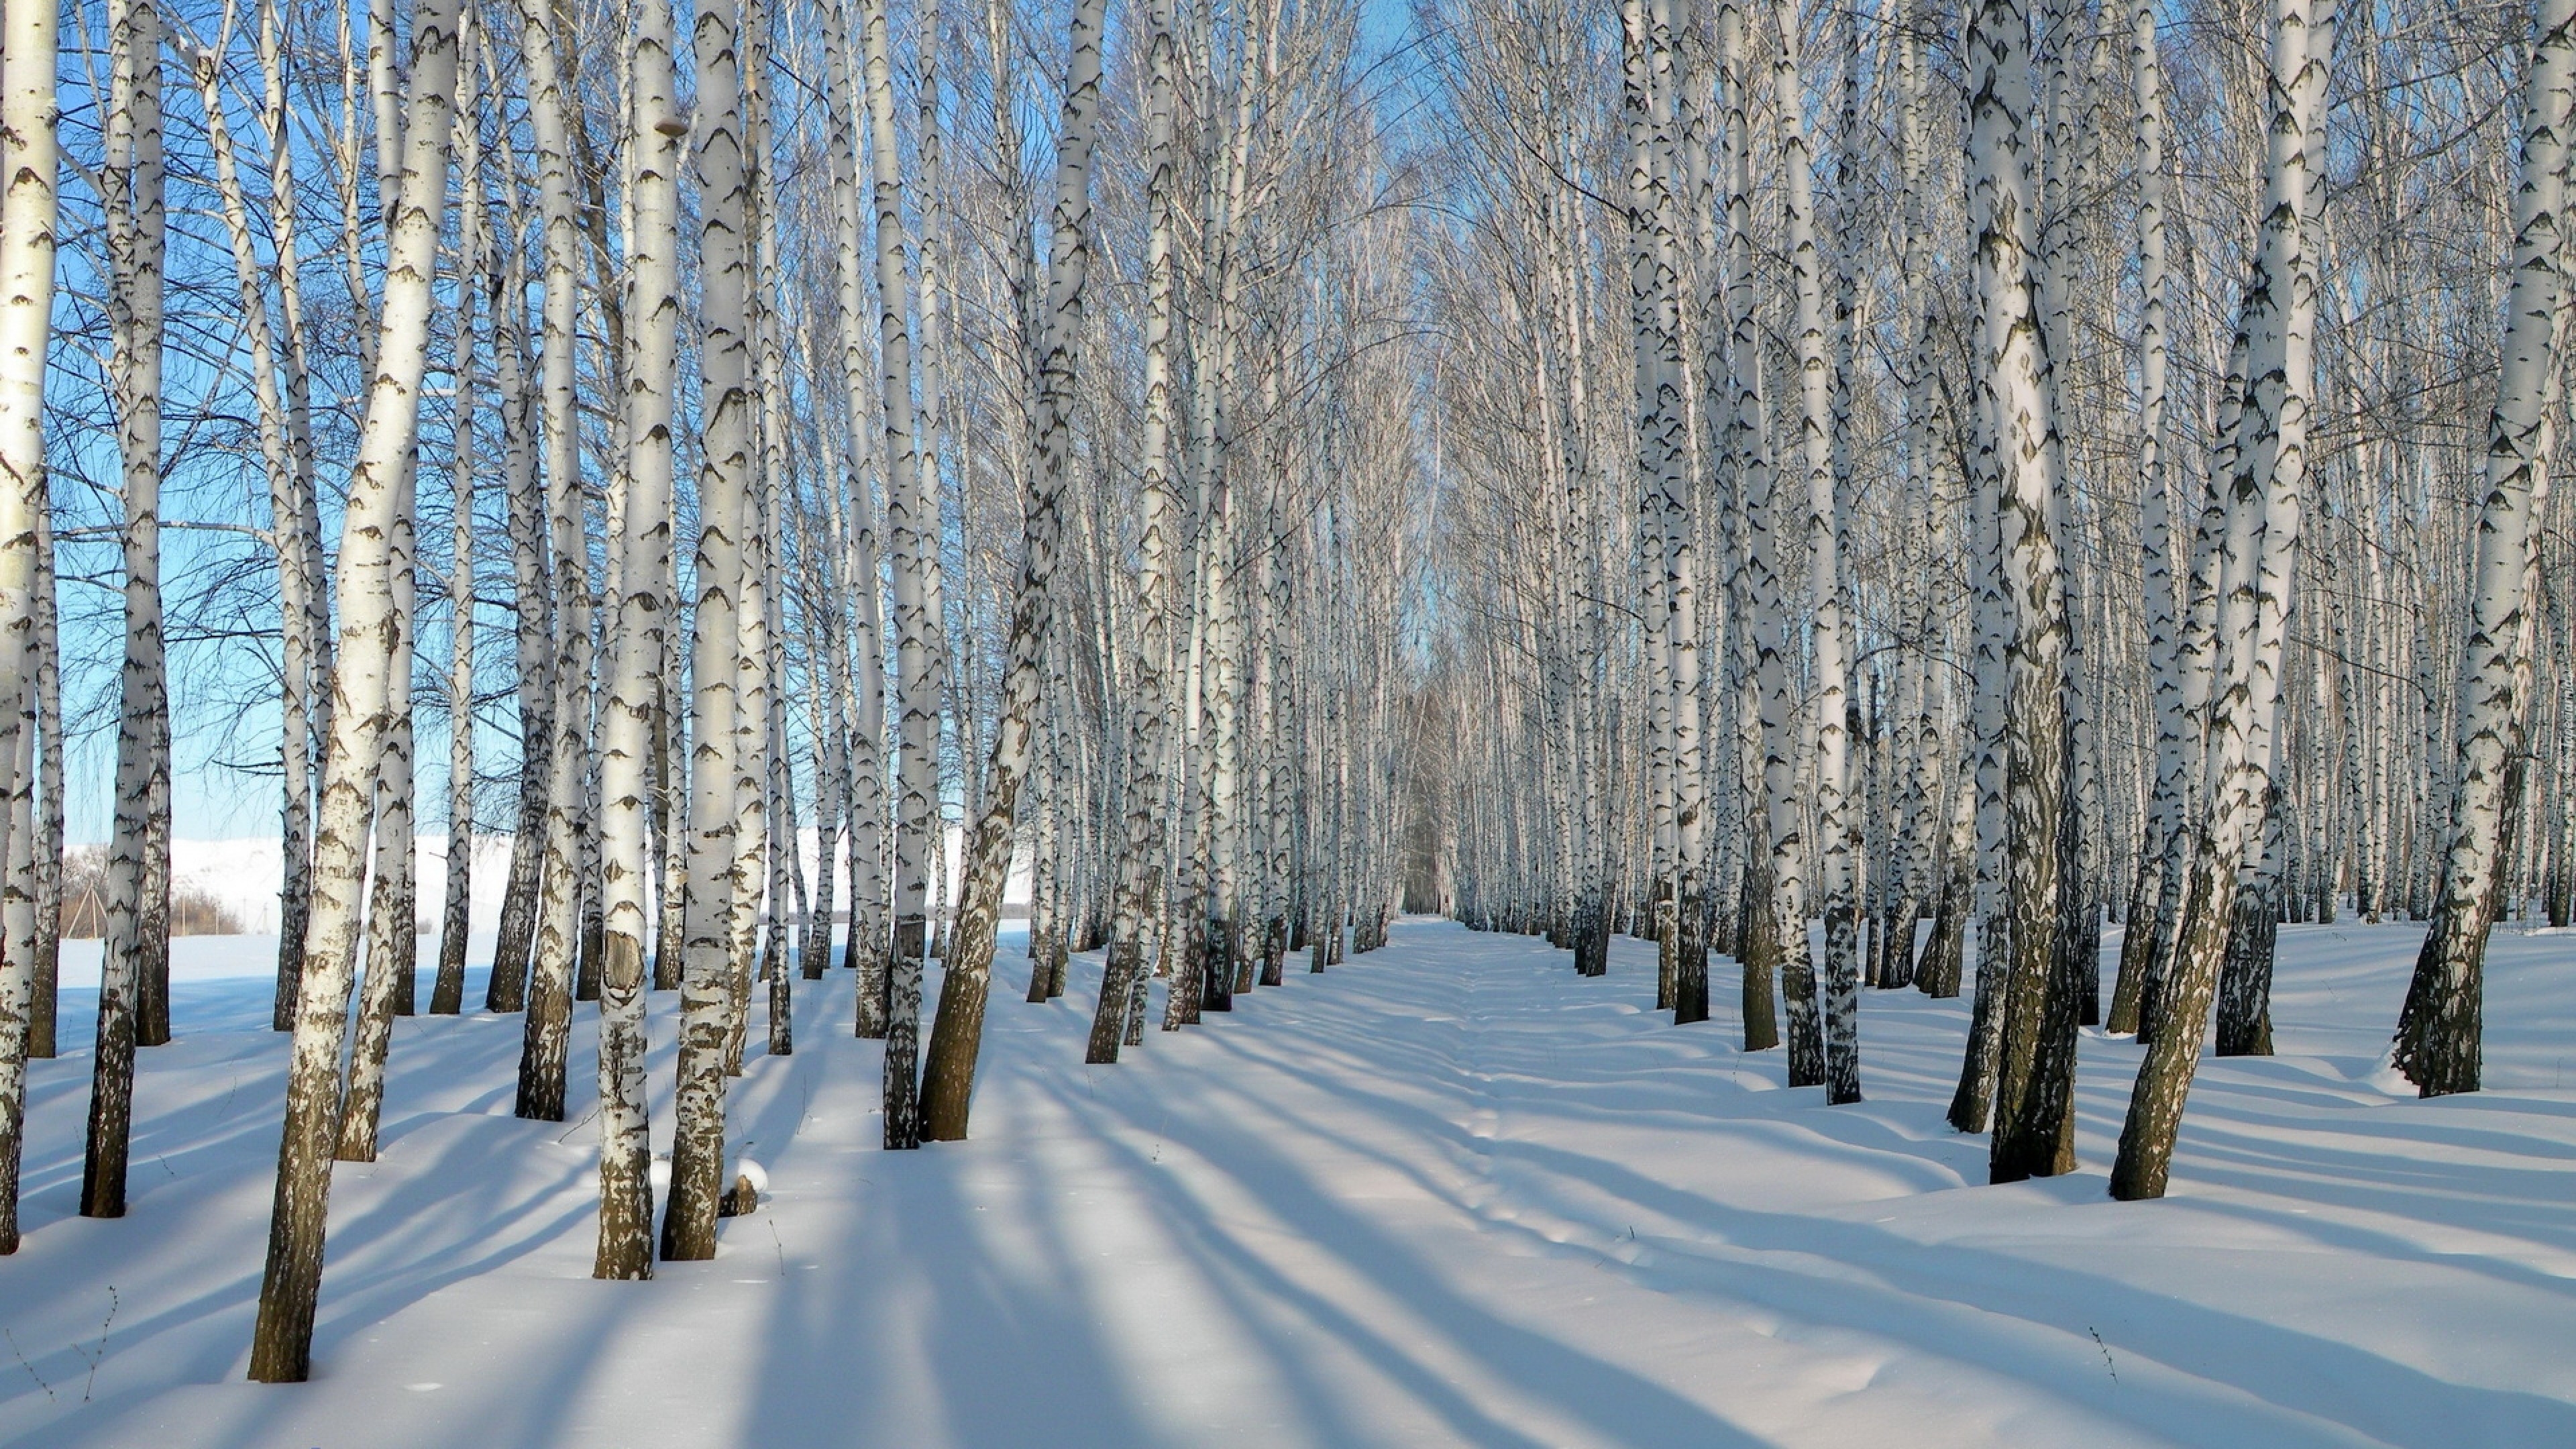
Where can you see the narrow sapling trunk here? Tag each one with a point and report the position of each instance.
(447, 989)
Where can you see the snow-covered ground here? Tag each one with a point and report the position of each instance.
(1448, 1193)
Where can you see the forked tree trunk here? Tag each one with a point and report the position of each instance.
(2264, 501)
(393, 937)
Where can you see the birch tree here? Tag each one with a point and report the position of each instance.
(137, 246)
(550, 980)
(912, 520)
(2156, 526)
(1151, 707)
(724, 476)
(281, 1343)
(2264, 497)
(949, 1080)
(447, 992)
(28, 212)
(2439, 1032)
(2033, 1093)
(637, 625)
(1772, 902)
(1837, 1064)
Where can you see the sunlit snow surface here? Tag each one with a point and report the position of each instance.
(1447, 1193)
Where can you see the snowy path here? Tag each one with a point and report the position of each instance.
(1445, 1194)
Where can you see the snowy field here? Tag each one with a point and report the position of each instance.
(1447, 1193)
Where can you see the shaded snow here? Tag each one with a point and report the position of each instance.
(1448, 1193)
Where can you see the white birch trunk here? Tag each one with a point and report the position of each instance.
(948, 1087)
(1838, 1063)
(724, 476)
(45, 670)
(135, 247)
(507, 989)
(393, 937)
(447, 990)
(548, 1023)
(912, 513)
(2440, 1031)
(2033, 1103)
(29, 159)
(2264, 499)
(1148, 703)
(307, 652)
(1775, 885)
(868, 938)
(2158, 534)
(281, 1345)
